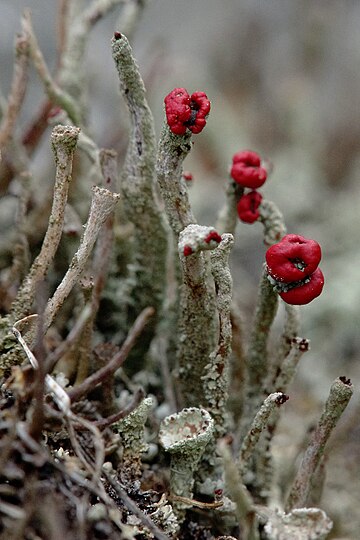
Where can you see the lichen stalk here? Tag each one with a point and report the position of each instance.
(258, 425)
(290, 332)
(18, 87)
(80, 21)
(63, 140)
(185, 435)
(132, 436)
(340, 394)
(100, 263)
(21, 255)
(237, 366)
(55, 93)
(287, 370)
(228, 216)
(172, 151)
(102, 205)
(80, 353)
(262, 455)
(197, 323)
(148, 275)
(216, 375)
(245, 508)
(273, 222)
(257, 354)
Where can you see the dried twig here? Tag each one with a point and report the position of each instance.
(134, 509)
(119, 358)
(63, 401)
(71, 338)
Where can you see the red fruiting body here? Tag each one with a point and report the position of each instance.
(246, 169)
(177, 109)
(187, 176)
(213, 235)
(184, 112)
(201, 106)
(305, 292)
(293, 258)
(247, 207)
(187, 251)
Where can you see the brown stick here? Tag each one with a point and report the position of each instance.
(118, 359)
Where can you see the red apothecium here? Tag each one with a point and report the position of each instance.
(292, 266)
(304, 293)
(248, 207)
(293, 258)
(186, 112)
(246, 169)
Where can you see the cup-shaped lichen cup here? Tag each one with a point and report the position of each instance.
(185, 435)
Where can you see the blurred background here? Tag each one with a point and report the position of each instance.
(284, 80)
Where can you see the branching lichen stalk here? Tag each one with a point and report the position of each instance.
(262, 457)
(290, 332)
(287, 369)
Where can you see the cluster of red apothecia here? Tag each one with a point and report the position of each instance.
(292, 266)
(292, 263)
(247, 172)
(186, 112)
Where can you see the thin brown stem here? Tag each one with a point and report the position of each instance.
(118, 359)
